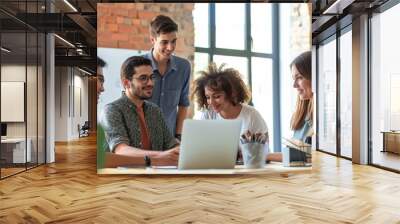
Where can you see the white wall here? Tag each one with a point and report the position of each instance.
(71, 94)
(80, 96)
(61, 103)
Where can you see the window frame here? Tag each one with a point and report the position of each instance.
(336, 36)
(379, 10)
(27, 29)
(247, 53)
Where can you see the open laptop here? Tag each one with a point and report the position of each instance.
(209, 144)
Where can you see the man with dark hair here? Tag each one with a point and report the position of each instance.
(101, 144)
(134, 126)
(172, 73)
(100, 76)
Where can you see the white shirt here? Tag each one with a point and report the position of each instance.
(251, 119)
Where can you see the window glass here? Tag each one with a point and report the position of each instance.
(262, 93)
(261, 27)
(230, 25)
(385, 88)
(13, 77)
(200, 19)
(327, 97)
(346, 95)
(200, 64)
(31, 97)
(238, 63)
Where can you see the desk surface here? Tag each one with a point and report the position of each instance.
(13, 140)
(269, 168)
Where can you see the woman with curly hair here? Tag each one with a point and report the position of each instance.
(222, 94)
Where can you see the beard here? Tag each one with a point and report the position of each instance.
(141, 94)
(142, 97)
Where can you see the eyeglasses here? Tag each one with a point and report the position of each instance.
(145, 78)
(100, 77)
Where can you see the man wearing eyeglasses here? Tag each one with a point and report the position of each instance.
(172, 73)
(134, 126)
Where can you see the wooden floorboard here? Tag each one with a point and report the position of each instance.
(70, 191)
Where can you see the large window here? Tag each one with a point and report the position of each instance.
(334, 106)
(327, 96)
(230, 26)
(241, 36)
(260, 40)
(385, 89)
(346, 93)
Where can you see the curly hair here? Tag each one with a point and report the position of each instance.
(226, 80)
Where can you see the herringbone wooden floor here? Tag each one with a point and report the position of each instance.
(70, 191)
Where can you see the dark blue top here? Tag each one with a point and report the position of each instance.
(172, 89)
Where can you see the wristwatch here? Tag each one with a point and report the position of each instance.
(147, 161)
(178, 136)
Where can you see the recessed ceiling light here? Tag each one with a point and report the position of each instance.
(337, 7)
(70, 5)
(86, 72)
(5, 49)
(65, 41)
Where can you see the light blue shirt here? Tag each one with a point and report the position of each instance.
(172, 89)
(303, 132)
(290, 154)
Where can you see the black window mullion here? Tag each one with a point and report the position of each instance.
(37, 91)
(44, 79)
(26, 87)
(316, 97)
(1, 164)
(369, 87)
(338, 123)
(47, 37)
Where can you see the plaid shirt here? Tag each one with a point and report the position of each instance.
(121, 125)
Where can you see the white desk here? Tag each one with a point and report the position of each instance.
(17, 147)
(269, 168)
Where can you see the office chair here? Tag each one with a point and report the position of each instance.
(84, 130)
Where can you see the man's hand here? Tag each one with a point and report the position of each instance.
(167, 158)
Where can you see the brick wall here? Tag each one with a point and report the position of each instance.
(126, 25)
